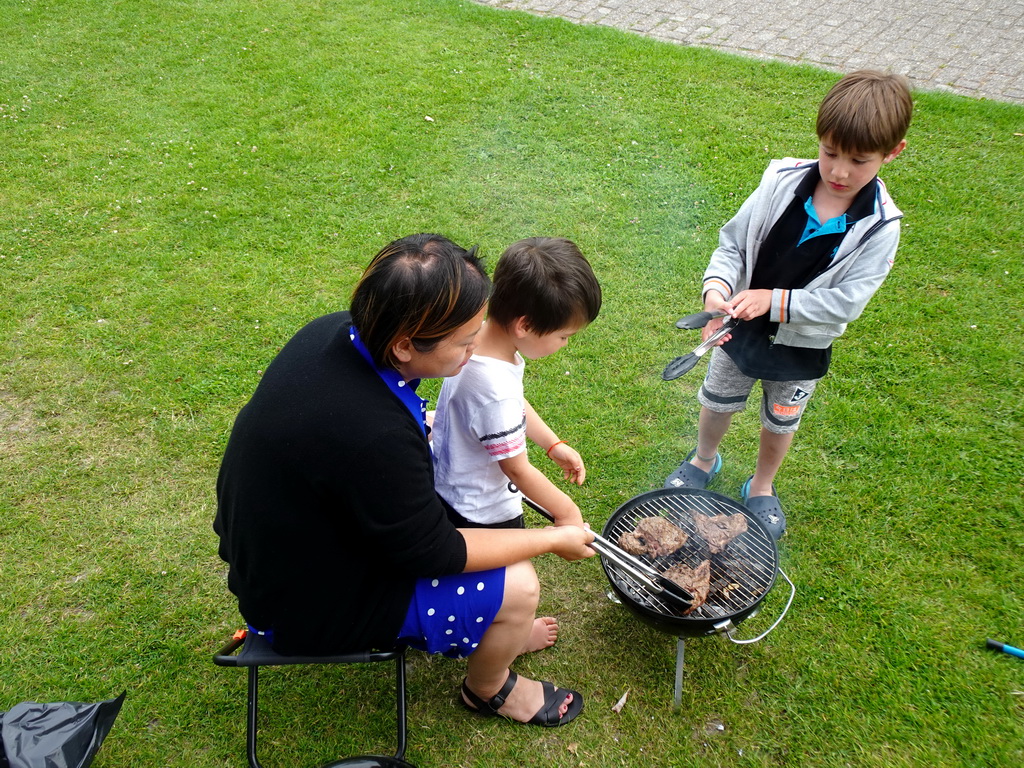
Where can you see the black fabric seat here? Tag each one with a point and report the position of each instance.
(247, 649)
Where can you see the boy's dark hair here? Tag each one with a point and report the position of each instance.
(423, 287)
(866, 111)
(546, 280)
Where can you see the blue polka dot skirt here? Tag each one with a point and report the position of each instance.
(449, 615)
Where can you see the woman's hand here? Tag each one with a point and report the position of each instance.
(570, 542)
(570, 461)
(497, 548)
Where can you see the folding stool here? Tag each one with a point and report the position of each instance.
(256, 652)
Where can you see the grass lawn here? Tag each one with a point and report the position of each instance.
(184, 183)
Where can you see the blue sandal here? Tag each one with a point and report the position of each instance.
(690, 476)
(767, 509)
(546, 716)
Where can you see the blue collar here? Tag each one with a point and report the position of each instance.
(815, 228)
(863, 205)
(403, 390)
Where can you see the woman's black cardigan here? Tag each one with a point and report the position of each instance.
(326, 505)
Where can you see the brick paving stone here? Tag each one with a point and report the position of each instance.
(970, 47)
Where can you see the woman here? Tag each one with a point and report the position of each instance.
(327, 514)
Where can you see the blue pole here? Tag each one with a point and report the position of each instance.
(997, 646)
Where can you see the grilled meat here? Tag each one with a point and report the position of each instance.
(654, 536)
(696, 581)
(719, 530)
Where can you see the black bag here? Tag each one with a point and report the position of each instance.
(61, 735)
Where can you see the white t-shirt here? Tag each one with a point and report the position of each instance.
(480, 420)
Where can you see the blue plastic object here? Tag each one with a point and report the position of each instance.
(997, 646)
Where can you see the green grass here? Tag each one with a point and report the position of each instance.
(184, 183)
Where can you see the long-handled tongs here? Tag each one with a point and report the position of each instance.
(635, 567)
(681, 365)
(699, 319)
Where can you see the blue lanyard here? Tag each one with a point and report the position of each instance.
(403, 390)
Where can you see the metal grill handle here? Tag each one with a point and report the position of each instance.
(728, 628)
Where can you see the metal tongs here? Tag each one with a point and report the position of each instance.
(699, 319)
(681, 365)
(634, 566)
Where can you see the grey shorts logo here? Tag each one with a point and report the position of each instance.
(799, 395)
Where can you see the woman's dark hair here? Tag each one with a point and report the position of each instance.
(422, 287)
(546, 280)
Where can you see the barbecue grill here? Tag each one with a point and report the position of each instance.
(741, 575)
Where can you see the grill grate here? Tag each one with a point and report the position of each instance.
(740, 575)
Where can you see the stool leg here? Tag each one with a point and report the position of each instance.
(400, 696)
(252, 708)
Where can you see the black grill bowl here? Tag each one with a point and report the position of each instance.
(741, 576)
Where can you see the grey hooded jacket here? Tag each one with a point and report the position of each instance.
(817, 314)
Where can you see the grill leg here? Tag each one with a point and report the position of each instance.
(680, 652)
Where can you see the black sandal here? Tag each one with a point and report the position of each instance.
(546, 716)
(691, 476)
(767, 509)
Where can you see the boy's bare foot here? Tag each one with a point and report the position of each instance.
(543, 634)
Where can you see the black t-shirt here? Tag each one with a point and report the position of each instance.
(785, 262)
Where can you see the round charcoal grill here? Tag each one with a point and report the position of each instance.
(741, 575)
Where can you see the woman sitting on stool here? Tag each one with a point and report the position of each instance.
(335, 538)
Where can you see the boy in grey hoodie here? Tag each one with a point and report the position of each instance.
(799, 261)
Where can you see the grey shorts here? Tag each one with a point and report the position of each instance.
(726, 390)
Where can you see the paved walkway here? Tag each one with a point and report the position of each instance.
(970, 47)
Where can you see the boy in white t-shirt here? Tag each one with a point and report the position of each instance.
(544, 293)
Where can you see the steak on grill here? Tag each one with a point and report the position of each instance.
(719, 530)
(696, 581)
(654, 536)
